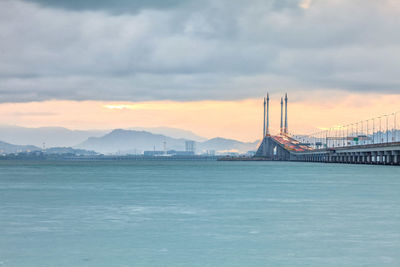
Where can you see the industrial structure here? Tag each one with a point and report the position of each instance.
(365, 142)
(190, 146)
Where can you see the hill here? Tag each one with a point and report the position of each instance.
(135, 142)
(131, 142)
(223, 145)
(6, 148)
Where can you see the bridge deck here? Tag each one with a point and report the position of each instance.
(290, 143)
(282, 147)
(387, 153)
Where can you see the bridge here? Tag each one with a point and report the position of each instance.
(372, 141)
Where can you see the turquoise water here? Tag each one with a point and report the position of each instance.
(198, 214)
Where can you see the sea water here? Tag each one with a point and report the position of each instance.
(163, 213)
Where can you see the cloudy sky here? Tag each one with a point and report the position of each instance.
(198, 65)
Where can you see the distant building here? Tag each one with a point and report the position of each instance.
(190, 146)
(251, 153)
(155, 153)
(210, 152)
(180, 153)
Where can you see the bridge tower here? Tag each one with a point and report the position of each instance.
(264, 119)
(286, 130)
(267, 131)
(270, 146)
(281, 129)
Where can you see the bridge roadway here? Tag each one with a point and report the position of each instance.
(279, 147)
(288, 149)
(385, 154)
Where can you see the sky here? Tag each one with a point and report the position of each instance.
(202, 66)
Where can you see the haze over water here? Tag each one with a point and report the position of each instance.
(198, 214)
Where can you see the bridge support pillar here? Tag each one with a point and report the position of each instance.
(361, 158)
(388, 158)
(364, 158)
(395, 157)
(374, 157)
(381, 156)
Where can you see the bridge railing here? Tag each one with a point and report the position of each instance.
(377, 130)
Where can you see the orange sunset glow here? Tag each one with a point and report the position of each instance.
(240, 120)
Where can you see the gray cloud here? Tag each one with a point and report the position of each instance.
(210, 50)
(115, 6)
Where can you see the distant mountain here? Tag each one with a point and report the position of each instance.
(222, 145)
(51, 136)
(117, 141)
(60, 140)
(68, 150)
(131, 142)
(6, 148)
(172, 132)
(63, 137)
(135, 142)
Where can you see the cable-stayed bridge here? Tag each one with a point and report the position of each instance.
(372, 141)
